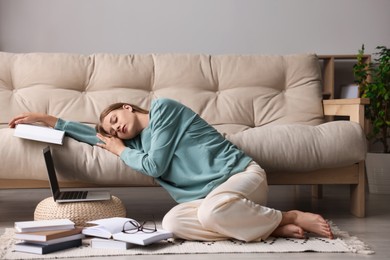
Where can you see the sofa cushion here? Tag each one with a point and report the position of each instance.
(302, 147)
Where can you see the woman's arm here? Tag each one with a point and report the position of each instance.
(78, 131)
(30, 118)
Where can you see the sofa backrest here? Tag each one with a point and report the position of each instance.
(232, 92)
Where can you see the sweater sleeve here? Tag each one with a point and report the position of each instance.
(78, 131)
(168, 122)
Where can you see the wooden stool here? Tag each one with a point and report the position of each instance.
(79, 212)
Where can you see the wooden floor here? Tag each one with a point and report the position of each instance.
(141, 203)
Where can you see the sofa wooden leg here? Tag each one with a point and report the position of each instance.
(358, 194)
(316, 191)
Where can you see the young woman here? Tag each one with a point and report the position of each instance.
(221, 191)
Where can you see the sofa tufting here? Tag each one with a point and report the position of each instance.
(270, 106)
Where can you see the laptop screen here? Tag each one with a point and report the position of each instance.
(51, 172)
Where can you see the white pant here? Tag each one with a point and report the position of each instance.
(232, 210)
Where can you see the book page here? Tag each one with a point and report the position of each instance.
(105, 227)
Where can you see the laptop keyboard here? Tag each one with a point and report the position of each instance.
(74, 195)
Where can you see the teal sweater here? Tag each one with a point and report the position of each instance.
(185, 155)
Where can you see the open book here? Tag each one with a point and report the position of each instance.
(112, 228)
(143, 239)
(105, 227)
(39, 133)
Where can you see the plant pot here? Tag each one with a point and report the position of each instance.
(378, 172)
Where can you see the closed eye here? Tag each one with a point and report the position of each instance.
(113, 120)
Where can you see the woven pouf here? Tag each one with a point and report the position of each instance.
(79, 212)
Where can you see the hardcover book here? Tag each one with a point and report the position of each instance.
(109, 243)
(43, 236)
(44, 225)
(42, 249)
(57, 240)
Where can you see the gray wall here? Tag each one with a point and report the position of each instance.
(194, 26)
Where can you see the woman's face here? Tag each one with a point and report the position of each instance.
(122, 123)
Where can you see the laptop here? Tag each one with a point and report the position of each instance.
(69, 196)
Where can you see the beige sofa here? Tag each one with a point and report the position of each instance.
(269, 106)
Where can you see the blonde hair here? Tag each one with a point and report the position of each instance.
(109, 109)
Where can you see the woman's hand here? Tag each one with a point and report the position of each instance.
(112, 144)
(30, 118)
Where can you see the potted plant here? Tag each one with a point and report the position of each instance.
(374, 83)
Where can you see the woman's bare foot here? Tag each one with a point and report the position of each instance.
(289, 230)
(312, 223)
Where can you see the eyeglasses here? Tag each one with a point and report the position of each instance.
(132, 227)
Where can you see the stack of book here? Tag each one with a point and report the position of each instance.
(108, 233)
(46, 236)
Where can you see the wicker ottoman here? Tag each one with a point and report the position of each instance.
(79, 212)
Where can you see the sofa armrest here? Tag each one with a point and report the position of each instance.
(352, 107)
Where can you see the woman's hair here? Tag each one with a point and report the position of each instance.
(109, 109)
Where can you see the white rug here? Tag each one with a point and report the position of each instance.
(342, 244)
